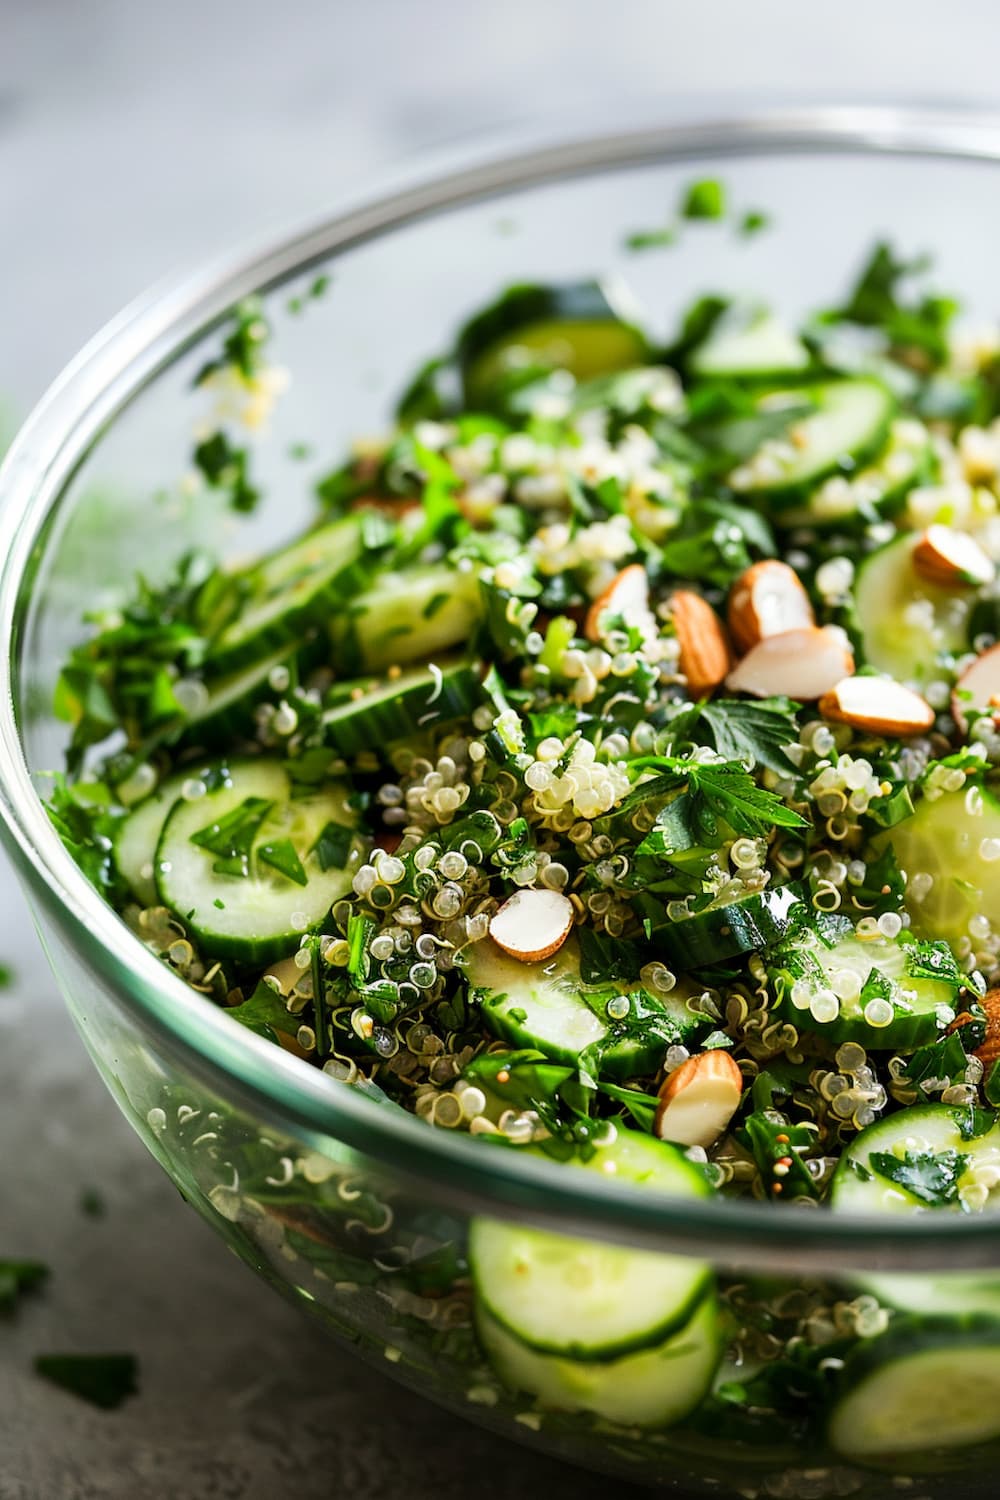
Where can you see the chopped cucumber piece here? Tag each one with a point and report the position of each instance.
(954, 840)
(240, 866)
(918, 1159)
(749, 343)
(293, 589)
(372, 714)
(573, 327)
(882, 992)
(751, 925)
(586, 1299)
(951, 1293)
(876, 490)
(546, 1005)
(924, 1385)
(652, 1388)
(848, 426)
(406, 615)
(227, 712)
(906, 623)
(138, 835)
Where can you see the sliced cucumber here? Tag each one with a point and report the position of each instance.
(877, 489)
(372, 714)
(139, 834)
(250, 892)
(546, 1005)
(653, 1388)
(907, 625)
(952, 839)
(585, 1299)
(952, 1293)
(750, 925)
(848, 426)
(572, 327)
(294, 588)
(861, 1185)
(883, 992)
(227, 712)
(926, 1384)
(405, 616)
(749, 343)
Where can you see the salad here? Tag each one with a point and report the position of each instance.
(610, 774)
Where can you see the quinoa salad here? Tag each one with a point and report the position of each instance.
(610, 775)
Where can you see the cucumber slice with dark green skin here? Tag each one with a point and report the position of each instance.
(586, 1299)
(231, 886)
(546, 1005)
(294, 588)
(848, 426)
(861, 1186)
(924, 1385)
(379, 713)
(956, 847)
(138, 835)
(573, 327)
(878, 489)
(751, 925)
(227, 713)
(405, 616)
(906, 623)
(652, 1388)
(880, 992)
(748, 343)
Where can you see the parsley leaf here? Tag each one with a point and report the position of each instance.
(231, 837)
(914, 322)
(283, 856)
(753, 732)
(105, 1380)
(603, 957)
(931, 1176)
(724, 791)
(715, 541)
(265, 1013)
(17, 1277)
(86, 819)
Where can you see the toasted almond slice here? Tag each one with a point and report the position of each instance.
(532, 924)
(978, 687)
(879, 705)
(705, 653)
(699, 1099)
(767, 599)
(801, 664)
(627, 594)
(952, 559)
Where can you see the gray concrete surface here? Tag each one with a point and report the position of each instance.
(134, 137)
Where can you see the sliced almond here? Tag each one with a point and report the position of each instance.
(989, 1049)
(627, 594)
(532, 924)
(978, 687)
(952, 559)
(699, 1099)
(877, 704)
(705, 653)
(768, 599)
(801, 664)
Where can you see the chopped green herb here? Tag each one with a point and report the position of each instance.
(104, 1380)
(931, 1176)
(17, 1278)
(704, 200)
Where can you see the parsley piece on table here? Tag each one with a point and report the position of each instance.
(18, 1277)
(105, 1380)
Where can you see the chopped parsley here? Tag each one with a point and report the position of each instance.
(103, 1380)
(931, 1176)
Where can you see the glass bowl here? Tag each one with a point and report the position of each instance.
(357, 1212)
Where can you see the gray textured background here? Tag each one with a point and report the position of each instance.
(133, 138)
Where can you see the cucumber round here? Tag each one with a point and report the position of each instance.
(292, 589)
(585, 1299)
(952, 1293)
(406, 616)
(887, 970)
(138, 835)
(924, 1385)
(247, 907)
(573, 327)
(749, 343)
(547, 1006)
(751, 925)
(907, 624)
(942, 838)
(848, 426)
(652, 1388)
(860, 1185)
(879, 488)
(373, 714)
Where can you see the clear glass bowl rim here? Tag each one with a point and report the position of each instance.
(97, 385)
